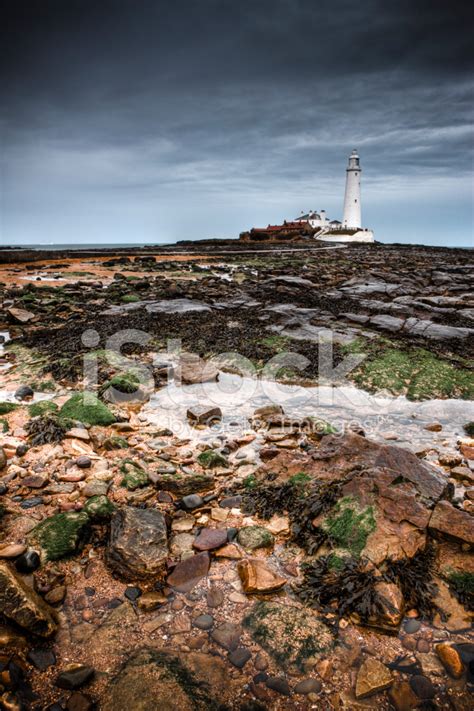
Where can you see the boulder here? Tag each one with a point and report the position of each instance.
(448, 521)
(294, 637)
(138, 544)
(23, 605)
(60, 535)
(153, 679)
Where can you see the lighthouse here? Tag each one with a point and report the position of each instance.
(351, 217)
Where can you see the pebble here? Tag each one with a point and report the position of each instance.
(12, 550)
(214, 597)
(192, 501)
(279, 684)
(422, 686)
(83, 462)
(41, 658)
(239, 657)
(308, 686)
(24, 392)
(74, 677)
(28, 562)
(261, 663)
(132, 593)
(412, 626)
(450, 659)
(203, 622)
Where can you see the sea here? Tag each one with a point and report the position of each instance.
(106, 245)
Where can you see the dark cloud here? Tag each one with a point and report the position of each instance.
(205, 116)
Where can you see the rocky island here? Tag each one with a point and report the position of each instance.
(237, 476)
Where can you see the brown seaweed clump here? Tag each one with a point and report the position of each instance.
(343, 586)
(46, 429)
(302, 500)
(415, 579)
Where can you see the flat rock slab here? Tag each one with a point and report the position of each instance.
(138, 546)
(189, 572)
(257, 577)
(373, 677)
(23, 605)
(210, 538)
(451, 522)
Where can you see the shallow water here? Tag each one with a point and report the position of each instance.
(380, 416)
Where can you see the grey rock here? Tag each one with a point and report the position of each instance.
(138, 545)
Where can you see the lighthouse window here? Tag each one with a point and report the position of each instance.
(355, 174)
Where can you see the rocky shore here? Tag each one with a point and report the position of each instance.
(167, 542)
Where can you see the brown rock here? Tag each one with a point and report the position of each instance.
(138, 542)
(403, 697)
(230, 551)
(192, 369)
(256, 576)
(20, 315)
(151, 601)
(394, 605)
(204, 414)
(189, 572)
(449, 521)
(373, 676)
(12, 550)
(450, 659)
(210, 538)
(23, 605)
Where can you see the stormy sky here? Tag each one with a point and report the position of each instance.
(154, 120)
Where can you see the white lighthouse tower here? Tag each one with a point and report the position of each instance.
(352, 214)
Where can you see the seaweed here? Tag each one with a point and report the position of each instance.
(351, 584)
(462, 584)
(415, 578)
(303, 501)
(46, 429)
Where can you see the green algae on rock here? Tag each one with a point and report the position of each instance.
(348, 525)
(134, 476)
(99, 507)
(290, 635)
(41, 408)
(60, 535)
(210, 459)
(87, 408)
(253, 537)
(7, 407)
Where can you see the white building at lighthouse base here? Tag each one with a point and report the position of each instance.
(345, 235)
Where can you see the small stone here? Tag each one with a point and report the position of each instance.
(423, 646)
(24, 392)
(152, 600)
(79, 702)
(21, 450)
(279, 684)
(450, 659)
(214, 597)
(132, 593)
(203, 622)
(42, 659)
(373, 676)
(261, 663)
(74, 677)
(192, 501)
(411, 626)
(229, 551)
(422, 686)
(83, 462)
(253, 537)
(12, 550)
(28, 562)
(308, 686)
(403, 697)
(409, 643)
(231, 502)
(434, 427)
(209, 539)
(227, 635)
(189, 572)
(204, 414)
(256, 576)
(56, 595)
(239, 657)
